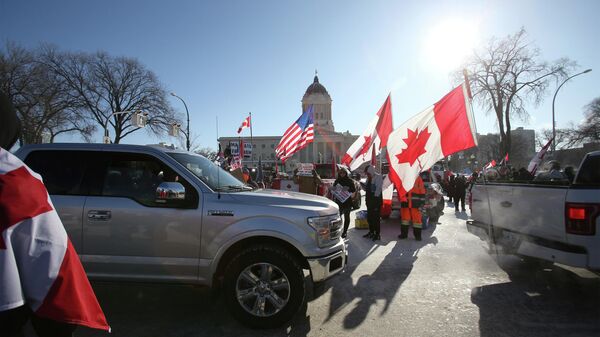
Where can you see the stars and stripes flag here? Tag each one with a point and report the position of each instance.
(39, 266)
(297, 136)
(245, 124)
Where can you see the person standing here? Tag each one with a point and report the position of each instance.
(373, 199)
(347, 184)
(460, 188)
(410, 212)
(451, 189)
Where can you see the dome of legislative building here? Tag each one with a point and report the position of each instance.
(316, 88)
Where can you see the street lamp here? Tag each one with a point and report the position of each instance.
(187, 134)
(554, 99)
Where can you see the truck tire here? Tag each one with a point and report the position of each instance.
(264, 286)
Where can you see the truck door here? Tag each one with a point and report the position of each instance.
(127, 234)
(63, 175)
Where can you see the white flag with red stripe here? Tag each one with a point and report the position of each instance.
(437, 132)
(245, 124)
(490, 165)
(537, 159)
(373, 139)
(38, 265)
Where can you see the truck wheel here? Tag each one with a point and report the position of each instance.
(264, 287)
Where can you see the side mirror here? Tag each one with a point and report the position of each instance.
(170, 191)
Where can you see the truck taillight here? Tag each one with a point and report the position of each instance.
(581, 218)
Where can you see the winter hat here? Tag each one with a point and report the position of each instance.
(10, 128)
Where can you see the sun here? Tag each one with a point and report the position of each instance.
(449, 42)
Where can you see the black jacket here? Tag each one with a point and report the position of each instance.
(349, 183)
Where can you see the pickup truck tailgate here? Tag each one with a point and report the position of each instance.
(535, 210)
(587, 196)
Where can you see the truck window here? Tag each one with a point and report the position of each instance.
(62, 171)
(589, 174)
(137, 176)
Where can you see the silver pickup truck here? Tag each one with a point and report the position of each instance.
(157, 214)
(556, 221)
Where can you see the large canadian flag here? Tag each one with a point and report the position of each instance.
(373, 139)
(444, 128)
(38, 265)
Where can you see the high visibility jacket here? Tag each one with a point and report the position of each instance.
(415, 198)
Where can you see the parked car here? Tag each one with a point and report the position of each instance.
(549, 220)
(156, 214)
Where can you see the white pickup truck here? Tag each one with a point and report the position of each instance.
(543, 220)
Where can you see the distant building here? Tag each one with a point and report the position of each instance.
(488, 149)
(522, 147)
(328, 144)
(572, 157)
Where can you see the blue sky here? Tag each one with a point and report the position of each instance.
(227, 58)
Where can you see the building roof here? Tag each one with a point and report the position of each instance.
(315, 88)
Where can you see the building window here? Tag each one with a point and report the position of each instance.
(263, 146)
(272, 146)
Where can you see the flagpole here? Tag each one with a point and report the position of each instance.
(251, 141)
(470, 98)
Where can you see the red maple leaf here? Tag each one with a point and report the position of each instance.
(416, 146)
(366, 146)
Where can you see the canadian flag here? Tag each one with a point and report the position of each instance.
(38, 264)
(373, 139)
(437, 132)
(245, 124)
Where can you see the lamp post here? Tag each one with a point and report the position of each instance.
(138, 123)
(187, 134)
(554, 99)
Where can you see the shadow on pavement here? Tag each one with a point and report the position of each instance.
(462, 215)
(539, 301)
(384, 282)
(136, 309)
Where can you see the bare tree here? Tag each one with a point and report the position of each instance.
(507, 75)
(207, 152)
(489, 148)
(104, 85)
(589, 129)
(42, 99)
(563, 138)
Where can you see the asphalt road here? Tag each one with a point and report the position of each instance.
(446, 285)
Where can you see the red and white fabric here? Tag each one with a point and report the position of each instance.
(445, 128)
(372, 140)
(297, 136)
(490, 165)
(535, 161)
(245, 124)
(38, 265)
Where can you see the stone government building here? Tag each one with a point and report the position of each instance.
(328, 145)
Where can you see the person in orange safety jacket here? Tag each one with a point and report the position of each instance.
(409, 210)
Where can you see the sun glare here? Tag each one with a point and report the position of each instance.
(449, 42)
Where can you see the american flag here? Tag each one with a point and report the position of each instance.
(297, 136)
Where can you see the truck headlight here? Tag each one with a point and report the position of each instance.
(328, 229)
